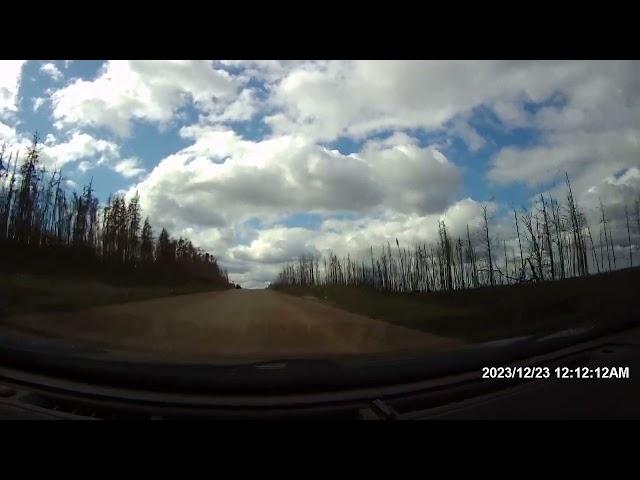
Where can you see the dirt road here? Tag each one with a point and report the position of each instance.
(255, 323)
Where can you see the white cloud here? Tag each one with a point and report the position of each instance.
(52, 71)
(575, 153)
(10, 75)
(257, 263)
(88, 152)
(84, 166)
(616, 192)
(126, 91)
(319, 99)
(38, 102)
(209, 189)
(7, 134)
(129, 167)
(593, 133)
(266, 70)
(469, 135)
(412, 178)
(221, 179)
(354, 98)
(243, 108)
(80, 146)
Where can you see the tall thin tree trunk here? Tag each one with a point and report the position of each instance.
(506, 262)
(626, 214)
(606, 238)
(486, 231)
(613, 251)
(548, 237)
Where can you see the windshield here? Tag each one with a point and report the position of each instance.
(220, 211)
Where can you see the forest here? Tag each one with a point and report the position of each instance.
(552, 241)
(46, 229)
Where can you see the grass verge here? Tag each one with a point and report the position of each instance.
(499, 312)
(30, 292)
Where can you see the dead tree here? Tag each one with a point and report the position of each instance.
(626, 214)
(547, 235)
(593, 251)
(638, 214)
(515, 218)
(604, 226)
(527, 220)
(506, 262)
(613, 250)
(460, 260)
(558, 226)
(486, 231)
(578, 237)
(471, 255)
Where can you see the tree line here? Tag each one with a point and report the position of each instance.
(44, 226)
(552, 241)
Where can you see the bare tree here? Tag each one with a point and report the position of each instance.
(486, 231)
(604, 227)
(578, 237)
(626, 214)
(593, 251)
(446, 265)
(515, 218)
(535, 248)
(547, 235)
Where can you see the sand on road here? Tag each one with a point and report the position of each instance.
(251, 323)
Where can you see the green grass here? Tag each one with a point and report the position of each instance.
(499, 312)
(26, 293)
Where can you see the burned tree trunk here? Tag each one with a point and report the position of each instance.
(626, 214)
(486, 231)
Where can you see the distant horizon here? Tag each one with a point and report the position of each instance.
(259, 162)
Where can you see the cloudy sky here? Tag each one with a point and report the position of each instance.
(259, 161)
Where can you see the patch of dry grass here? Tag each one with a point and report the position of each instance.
(28, 293)
(492, 313)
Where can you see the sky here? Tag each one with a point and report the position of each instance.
(261, 161)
